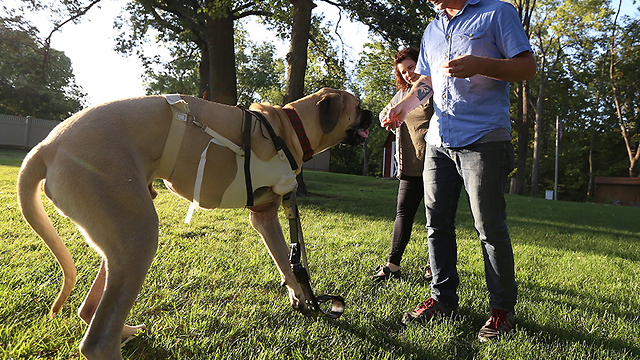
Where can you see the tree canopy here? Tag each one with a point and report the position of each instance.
(29, 85)
(588, 65)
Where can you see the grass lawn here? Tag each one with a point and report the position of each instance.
(213, 292)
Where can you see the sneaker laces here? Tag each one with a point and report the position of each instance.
(497, 318)
(429, 304)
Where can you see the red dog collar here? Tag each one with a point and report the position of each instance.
(302, 136)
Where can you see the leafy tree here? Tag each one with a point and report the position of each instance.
(522, 126)
(29, 85)
(206, 24)
(558, 27)
(260, 73)
(623, 75)
(179, 74)
(400, 23)
(375, 74)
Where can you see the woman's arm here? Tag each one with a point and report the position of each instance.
(418, 95)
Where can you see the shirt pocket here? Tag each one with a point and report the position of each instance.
(471, 42)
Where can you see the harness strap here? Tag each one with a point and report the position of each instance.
(180, 110)
(297, 254)
(280, 145)
(246, 139)
(219, 139)
(195, 204)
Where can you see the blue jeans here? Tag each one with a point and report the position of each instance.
(482, 169)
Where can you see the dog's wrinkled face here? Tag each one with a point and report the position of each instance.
(341, 116)
(357, 133)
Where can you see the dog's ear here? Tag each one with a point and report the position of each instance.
(330, 107)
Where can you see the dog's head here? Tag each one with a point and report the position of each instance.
(340, 115)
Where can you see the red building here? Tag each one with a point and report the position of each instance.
(618, 190)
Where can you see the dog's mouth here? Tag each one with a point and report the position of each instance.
(357, 135)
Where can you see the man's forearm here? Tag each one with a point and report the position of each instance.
(520, 67)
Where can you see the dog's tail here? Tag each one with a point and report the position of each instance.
(31, 174)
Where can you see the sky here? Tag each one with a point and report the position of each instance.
(106, 75)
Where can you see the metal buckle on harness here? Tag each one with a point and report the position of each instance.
(203, 127)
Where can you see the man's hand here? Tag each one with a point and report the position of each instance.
(461, 67)
(518, 68)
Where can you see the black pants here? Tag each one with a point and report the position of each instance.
(410, 194)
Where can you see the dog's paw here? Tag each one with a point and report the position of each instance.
(298, 302)
(128, 331)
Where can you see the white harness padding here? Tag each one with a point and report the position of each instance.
(180, 110)
(275, 173)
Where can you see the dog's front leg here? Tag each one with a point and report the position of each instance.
(264, 219)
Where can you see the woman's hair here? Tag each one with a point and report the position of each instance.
(402, 55)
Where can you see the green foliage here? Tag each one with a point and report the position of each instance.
(376, 77)
(260, 73)
(213, 292)
(31, 84)
(179, 74)
(400, 23)
(325, 68)
(625, 76)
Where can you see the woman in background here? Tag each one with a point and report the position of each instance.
(410, 146)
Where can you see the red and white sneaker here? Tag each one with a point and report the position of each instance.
(426, 311)
(500, 322)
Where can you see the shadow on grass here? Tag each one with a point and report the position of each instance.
(594, 228)
(580, 302)
(11, 156)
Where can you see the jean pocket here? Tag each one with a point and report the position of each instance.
(510, 157)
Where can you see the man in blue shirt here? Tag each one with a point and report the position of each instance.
(469, 54)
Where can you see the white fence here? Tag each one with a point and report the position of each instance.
(24, 132)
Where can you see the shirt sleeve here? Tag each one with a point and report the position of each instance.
(422, 66)
(510, 36)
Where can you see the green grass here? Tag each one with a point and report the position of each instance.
(214, 293)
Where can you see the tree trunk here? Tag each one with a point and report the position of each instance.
(591, 143)
(537, 140)
(525, 9)
(297, 56)
(222, 65)
(204, 72)
(297, 61)
(365, 165)
(523, 137)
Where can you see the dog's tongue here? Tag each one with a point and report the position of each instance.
(363, 133)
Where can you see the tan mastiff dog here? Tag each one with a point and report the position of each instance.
(99, 166)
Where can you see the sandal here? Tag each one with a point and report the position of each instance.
(386, 273)
(428, 275)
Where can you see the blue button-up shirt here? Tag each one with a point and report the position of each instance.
(470, 108)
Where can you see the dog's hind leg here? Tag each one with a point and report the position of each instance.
(91, 301)
(122, 225)
(128, 257)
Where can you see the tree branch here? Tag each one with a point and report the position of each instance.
(47, 41)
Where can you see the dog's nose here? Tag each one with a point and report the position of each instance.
(367, 119)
